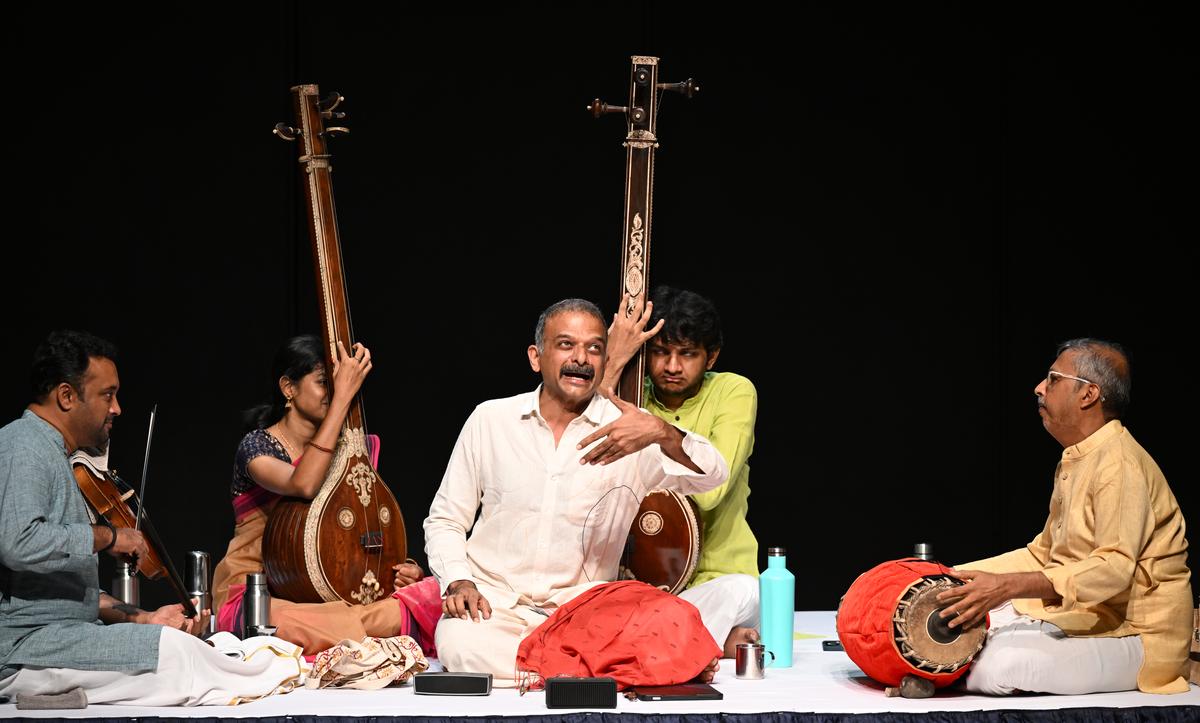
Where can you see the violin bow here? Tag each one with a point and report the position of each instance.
(189, 610)
(145, 467)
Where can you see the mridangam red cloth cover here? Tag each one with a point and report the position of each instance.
(864, 621)
(628, 631)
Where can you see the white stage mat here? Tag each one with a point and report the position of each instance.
(818, 682)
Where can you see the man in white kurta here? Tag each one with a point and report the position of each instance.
(556, 476)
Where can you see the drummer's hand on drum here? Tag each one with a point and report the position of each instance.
(632, 432)
(407, 573)
(981, 592)
(464, 601)
(350, 368)
(985, 591)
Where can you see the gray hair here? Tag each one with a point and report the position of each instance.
(1107, 365)
(581, 305)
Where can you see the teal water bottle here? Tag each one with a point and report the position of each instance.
(777, 601)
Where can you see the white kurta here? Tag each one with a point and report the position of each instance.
(548, 527)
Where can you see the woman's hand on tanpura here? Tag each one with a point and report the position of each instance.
(407, 573)
(349, 371)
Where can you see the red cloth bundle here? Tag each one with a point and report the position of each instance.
(628, 631)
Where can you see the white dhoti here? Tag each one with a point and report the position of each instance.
(190, 672)
(1025, 654)
(487, 645)
(490, 646)
(724, 603)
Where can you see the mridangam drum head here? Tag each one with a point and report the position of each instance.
(888, 624)
(923, 637)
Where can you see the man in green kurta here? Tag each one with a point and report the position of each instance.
(59, 632)
(683, 342)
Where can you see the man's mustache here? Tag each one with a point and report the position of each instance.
(583, 370)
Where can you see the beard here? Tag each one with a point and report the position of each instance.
(100, 436)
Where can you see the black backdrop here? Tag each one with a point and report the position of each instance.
(899, 213)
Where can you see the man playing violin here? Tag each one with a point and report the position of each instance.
(50, 597)
(683, 342)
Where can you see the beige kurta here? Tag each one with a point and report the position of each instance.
(1114, 549)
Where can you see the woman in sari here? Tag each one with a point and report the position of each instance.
(286, 452)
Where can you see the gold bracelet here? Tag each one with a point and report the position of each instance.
(314, 445)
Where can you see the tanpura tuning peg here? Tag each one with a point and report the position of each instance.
(332, 131)
(330, 102)
(599, 108)
(285, 132)
(687, 87)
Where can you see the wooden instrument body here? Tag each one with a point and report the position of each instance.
(664, 539)
(342, 544)
(107, 494)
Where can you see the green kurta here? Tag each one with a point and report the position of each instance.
(723, 411)
(49, 576)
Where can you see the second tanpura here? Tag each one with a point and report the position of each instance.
(342, 544)
(664, 540)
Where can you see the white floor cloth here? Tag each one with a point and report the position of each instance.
(818, 682)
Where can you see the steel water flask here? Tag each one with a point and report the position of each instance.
(256, 606)
(199, 586)
(125, 584)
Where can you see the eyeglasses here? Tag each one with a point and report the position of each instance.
(1051, 374)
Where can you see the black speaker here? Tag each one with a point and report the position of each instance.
(581, 693)
(452, 683)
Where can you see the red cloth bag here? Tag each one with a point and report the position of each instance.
(628, 631)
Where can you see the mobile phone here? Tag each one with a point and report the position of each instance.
(831, 645)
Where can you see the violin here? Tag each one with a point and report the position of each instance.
(108, 496)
